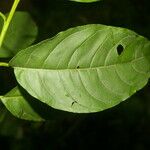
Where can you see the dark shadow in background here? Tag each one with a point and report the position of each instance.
(126, 126)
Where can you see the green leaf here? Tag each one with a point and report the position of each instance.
(83, 69)
(19, 106)
(9, 125)
(21, 33)
(85, 1)
(2, 112)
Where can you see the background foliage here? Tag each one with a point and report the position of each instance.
(122, 127)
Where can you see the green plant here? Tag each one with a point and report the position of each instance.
(84, 69)
(85, 1)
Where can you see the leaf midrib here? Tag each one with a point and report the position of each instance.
(93, 68)
(7, 97)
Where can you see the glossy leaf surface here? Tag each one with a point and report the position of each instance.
(19, 106)
(85, 69)
(21, 33)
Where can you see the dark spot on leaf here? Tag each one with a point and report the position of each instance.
(120, 49)
(73, 103)
(78, 67)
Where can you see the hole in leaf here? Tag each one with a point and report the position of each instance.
(120, 49)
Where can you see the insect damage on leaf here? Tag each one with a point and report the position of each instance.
(83, 63)
(120, 49)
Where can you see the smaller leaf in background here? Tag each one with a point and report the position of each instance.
(21, 33)
(86, 1)
(2, 113)
(9, 125)
(18, 106)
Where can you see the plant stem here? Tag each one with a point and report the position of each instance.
(4, 64)
(8, 20)
(3, 17)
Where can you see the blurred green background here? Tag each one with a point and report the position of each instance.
(126, 126)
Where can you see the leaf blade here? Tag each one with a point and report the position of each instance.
(86, 1)
(81, 64)
(21, 33)
(18, 106)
